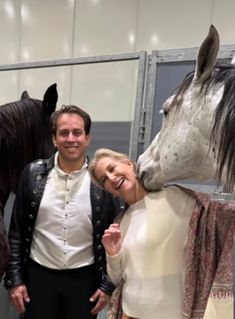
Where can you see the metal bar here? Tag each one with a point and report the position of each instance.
(189, 54)
(134, 142)
(72, 61)
(150, 98)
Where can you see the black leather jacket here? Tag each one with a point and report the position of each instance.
(28, 197)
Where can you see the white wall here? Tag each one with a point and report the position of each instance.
(33, 30)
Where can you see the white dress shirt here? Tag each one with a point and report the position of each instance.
(63, 233)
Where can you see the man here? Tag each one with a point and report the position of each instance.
(57, 262)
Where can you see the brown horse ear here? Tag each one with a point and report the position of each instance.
(24, 95)
(207, 55)
(50, 98)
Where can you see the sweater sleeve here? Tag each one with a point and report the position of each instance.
(114, 268)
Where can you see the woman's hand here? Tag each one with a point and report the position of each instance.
(112, 239)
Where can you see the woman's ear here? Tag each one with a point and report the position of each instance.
(129, 162)
(132, 165)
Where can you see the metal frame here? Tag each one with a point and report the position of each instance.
(164, 56)
(142, 61)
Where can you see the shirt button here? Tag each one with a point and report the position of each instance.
(30, 216)
(35, 190)
(98, 222)
(98, 209)
(29, 229)
(99, 247)
(33, 204)
(98, 236)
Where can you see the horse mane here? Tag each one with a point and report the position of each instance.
(224, 117)
(22, 134)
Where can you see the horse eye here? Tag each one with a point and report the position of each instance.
(164, 112)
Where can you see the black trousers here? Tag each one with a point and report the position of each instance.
(60, 294)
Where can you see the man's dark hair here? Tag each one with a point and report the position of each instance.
(71, 109)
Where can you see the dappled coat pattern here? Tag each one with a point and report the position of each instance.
(197, 137)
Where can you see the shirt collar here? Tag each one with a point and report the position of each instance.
(62, 173)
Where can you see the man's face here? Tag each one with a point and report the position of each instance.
(71, 139)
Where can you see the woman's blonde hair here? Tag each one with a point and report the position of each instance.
(100, 153)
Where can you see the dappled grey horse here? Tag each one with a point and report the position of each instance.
(197, 137)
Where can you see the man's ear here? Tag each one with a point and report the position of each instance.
(54, 140)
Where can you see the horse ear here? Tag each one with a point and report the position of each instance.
(24, 95)
(50, 98)
(207, 56)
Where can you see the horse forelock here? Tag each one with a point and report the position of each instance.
(180, 91)
(24, 130)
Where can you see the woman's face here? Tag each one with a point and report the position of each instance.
(117, 177)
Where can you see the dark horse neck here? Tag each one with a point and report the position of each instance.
(4, 249)
(24, 136)
(4, 194)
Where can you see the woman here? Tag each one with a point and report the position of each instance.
(147, 250)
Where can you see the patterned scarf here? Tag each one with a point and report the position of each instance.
(208, 254)
(208, 257)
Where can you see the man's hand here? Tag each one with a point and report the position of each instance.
(18, 296)
(102, 301)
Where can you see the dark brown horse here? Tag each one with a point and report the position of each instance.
(24, 136)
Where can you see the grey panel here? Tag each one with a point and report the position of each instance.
(114, 135)
(169, 77)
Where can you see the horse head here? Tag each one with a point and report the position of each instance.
(196, 140)
(24, 136)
